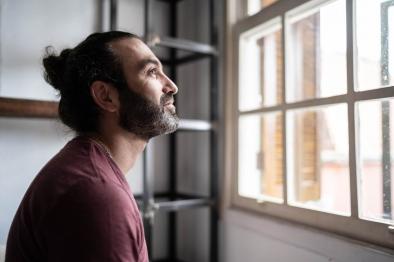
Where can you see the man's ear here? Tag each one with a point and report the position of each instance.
(105, 96)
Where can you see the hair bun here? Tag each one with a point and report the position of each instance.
(55, 66)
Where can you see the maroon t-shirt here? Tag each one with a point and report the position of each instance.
(78, 208)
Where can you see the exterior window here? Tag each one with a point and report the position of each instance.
(375, 70)
(317, 144)
(261, 67)
(255, 6)
(260, 157)
(316, 64)
(260, 135)
(376, 144)
(375, 44)
(318, 162)
(314, 115)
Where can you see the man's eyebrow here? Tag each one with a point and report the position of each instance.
(148, 61)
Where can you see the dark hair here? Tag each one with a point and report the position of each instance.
(74, 70)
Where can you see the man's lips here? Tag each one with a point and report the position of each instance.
(169, 103)
(170, 106)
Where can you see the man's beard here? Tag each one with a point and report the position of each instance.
(144, 118)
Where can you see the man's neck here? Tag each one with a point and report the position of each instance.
(124, 147)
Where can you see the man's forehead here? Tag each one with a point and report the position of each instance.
(133, 50)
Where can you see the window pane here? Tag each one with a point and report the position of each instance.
(317, 159)
(255, 6)
(376, 154)
(316, 52)
(260, 172)
(260, 69)
(375, 44)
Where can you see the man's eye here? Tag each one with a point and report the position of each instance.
(153, 72)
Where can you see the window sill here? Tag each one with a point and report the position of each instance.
(368, 232)
(303, 236)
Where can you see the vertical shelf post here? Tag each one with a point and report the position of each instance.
(148, 179)
(172, 229)
(214, 116)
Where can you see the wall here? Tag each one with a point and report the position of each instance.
(25, 145)
(26, 28)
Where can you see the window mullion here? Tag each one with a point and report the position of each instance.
(350, 36)
(284, 112)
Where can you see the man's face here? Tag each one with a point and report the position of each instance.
(146, 103)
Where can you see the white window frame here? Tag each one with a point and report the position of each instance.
(379, 234)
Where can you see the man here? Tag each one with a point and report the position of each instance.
(115, 96)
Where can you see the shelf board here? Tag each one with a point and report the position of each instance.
(26, 108)
(189, 58)
(194, 125)
(138, 197)
(169, 1)
(167, 202)
(183, 59)
(168, 260)
(14, 107)
(175, 205)
(182, 44)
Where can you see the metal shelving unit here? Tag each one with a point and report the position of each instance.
(173, 201)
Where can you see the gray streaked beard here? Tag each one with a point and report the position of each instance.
(144, 118)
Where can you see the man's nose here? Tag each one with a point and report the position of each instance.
(169, 86)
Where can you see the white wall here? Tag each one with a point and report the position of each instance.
(26, 28)
(252, 238)
(25, 146)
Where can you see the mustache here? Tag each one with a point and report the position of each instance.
(164, 99)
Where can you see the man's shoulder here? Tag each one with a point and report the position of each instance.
(78, 159)
(100, 193)
(74, 158)
(77, 163)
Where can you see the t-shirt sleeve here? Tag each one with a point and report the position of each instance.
(94, 221)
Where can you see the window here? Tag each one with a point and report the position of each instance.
(260, 135)
(317, 158)
(314, 114)
(260, 157)
(376, 143)
(255, 6)
(375, 44)
(316, 62)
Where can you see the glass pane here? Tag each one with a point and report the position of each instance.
(260, 67)
(317, 159)
(26, 28)
(376, 154)
(255, 6)
(260, 171)
(316, 52)
(375, 44)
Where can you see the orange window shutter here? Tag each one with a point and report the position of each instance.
(271, 132)
(307, 159)
(265, 3)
